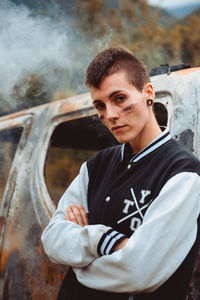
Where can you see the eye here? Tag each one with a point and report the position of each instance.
(99, 105)
(120, 98)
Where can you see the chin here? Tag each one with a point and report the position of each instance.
(122, 140)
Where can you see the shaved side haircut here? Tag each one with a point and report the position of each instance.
(115, 60)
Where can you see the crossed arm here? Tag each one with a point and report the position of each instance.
(169, 229)
(78, 215)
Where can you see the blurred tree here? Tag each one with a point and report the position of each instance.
(90, 17)
(182, 42)
(139, 27)
(190, 45)
(132, 23)
(99, 24)
(30, 91)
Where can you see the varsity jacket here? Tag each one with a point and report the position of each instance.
(153, 198)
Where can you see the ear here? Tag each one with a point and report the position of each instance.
(148, 91)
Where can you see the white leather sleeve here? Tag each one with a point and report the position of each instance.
(66, 242)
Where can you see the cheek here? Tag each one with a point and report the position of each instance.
(102, 119)
(135, 113)
(100, 115)
(128, 109)
(132, 110)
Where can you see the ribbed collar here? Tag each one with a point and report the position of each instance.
(157, 142)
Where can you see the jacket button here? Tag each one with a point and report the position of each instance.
(129, 166)
(108, 199)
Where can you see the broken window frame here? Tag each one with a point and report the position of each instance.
(19, 122)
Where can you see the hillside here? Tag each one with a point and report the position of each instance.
(196, 12)
(186, 18)
(163, 16)
(184, 10)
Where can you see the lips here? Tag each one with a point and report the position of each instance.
(117, 128)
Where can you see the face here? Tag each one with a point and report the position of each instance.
(122, 108)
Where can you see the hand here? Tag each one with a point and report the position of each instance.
(77, 214)
(120, 245)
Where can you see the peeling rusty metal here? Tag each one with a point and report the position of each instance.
(25, 270)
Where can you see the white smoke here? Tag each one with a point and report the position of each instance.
(49, 48)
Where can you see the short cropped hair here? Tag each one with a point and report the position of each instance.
(113, 60)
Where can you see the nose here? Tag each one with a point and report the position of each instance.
(111, 112)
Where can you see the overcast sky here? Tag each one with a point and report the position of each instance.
(172, 3)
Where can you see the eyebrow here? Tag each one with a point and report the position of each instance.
(113, 93)
(95, 101)
(110, 96)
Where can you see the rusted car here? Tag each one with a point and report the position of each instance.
(41, 150)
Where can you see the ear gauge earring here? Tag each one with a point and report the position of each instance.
(149, 102)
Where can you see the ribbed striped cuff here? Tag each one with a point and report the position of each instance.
(108, 242)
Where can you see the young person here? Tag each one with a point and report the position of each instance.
(128, 225)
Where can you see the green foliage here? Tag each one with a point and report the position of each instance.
(142, 29)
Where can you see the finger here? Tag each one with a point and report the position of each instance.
(77, 213)
(71, 214)
(67, 218)
(83, 214)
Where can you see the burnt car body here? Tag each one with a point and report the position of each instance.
(42, 144)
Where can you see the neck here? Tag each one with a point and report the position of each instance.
(148, 134)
